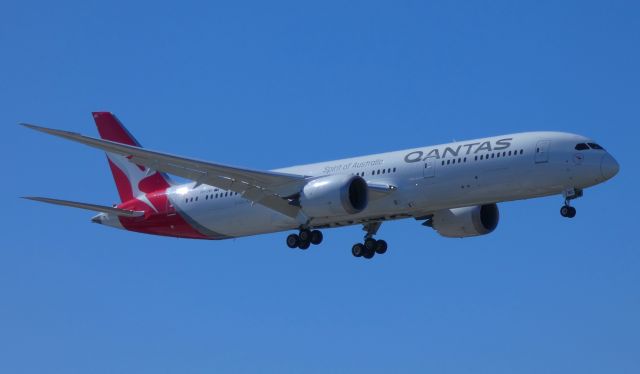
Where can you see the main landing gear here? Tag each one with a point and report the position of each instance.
(567, 210)
(304, 239)
(371, 246)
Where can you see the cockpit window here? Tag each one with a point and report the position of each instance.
(581, 147)
(595, 146)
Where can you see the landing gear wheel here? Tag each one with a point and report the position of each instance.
(292, 241)
(304, 244)
(316, 237)
(568, 211)
(370, 244)
(305, 235)
(368, 253)
(357, 250)
(381, 247)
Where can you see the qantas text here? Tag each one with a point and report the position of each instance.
(461, 150)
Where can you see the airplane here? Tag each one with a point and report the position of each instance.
(453, 188)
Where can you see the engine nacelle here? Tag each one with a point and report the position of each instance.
(334, 196)
(468, 221)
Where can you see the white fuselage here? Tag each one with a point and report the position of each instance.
(420, 181)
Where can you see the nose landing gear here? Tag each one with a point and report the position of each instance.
(571, 194)
(568, 211)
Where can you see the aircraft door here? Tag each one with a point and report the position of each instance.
(542, 151)
(429, 170)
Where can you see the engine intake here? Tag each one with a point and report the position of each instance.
(465, 222)
(334, 196)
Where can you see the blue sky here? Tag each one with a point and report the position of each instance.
(270, 84)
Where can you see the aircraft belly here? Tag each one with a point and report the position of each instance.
(240, 218)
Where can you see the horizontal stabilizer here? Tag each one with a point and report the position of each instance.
(93, 207)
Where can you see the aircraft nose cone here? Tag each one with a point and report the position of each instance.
(609, 167)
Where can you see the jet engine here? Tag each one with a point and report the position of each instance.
(465, 222)
(334, 196)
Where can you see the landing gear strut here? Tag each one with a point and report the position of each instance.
(304, 239)
(567, 210)
(371, 246)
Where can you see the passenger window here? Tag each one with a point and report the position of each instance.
(476, 158)
(383, 171)
(509, 153)
(595, 146)
(448, 162)
(521, 151)
(582, 147)
(442, 162)
(394, 170)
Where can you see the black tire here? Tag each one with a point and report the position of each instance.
(368, 253)
(305, 235)
(304, 244)
(572, 212)
(357, 250)
(370, 244)
(316, 237)
(292, 241)
(564, 211)
(381, 247)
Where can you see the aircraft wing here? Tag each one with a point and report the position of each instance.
(262, 187)
(93, 207)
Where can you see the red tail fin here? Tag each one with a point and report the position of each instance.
(131, 180)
